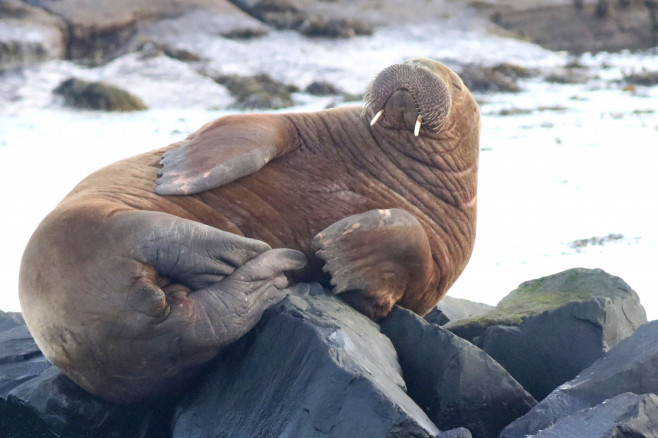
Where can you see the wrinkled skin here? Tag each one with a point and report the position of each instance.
(151, 265)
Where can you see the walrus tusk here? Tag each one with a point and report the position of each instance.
(419, 121)
(377, 116)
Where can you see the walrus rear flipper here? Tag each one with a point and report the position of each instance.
(223, 151)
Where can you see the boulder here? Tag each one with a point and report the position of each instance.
(531, 331)
(37, 400)
(485, 79)
(626, 415)
(631, 366)
(456, 383)
(452, 309)
(28, 35)
(98, 96)
(256, 92)
(347, 18)
(313, 367)
(100, 31)
(575, 26)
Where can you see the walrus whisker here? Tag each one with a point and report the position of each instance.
(377, 116)
(419, 121)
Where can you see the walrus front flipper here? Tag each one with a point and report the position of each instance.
(375, 258)
(222, 151)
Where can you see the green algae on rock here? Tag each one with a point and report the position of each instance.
(98, 96)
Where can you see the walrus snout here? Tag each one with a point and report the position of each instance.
(425, 82)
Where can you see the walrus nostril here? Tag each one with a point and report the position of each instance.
(425, 85)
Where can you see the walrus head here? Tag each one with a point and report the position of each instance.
(411, 95)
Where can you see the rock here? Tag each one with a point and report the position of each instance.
(36, 400)
(531, 331)
(631, 366)
(452, 309)
(198, 26)
(627, 415)
(456, 383)
(28, 35)
(98, 96)
(256, 92)
(346, 18)
(286, 14)
(313, 367)
(646, 78)
(318, 26)
(568, 76)
(282, 14)
(20, 358)
(100, 31)
(588, 27)
(489, 79)
(460, 432)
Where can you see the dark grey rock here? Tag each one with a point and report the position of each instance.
(452, 309)
(591, 26)
(28, 35)
(460, 432)
(456, 383)
(100, 31)
(626, 415)
(98, 96)
(531, 332)
(631, 366)
(313, 367)
(484, 79)
(37, 400)
(256, 92)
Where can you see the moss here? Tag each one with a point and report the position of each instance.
(98, 96)
(545, 294)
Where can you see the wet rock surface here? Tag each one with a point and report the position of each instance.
(541, 317)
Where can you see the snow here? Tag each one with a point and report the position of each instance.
(579, 163)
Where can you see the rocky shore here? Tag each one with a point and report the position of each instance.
(556, 355)
(95, 33)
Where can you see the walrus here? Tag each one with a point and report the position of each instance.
(150, 266)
